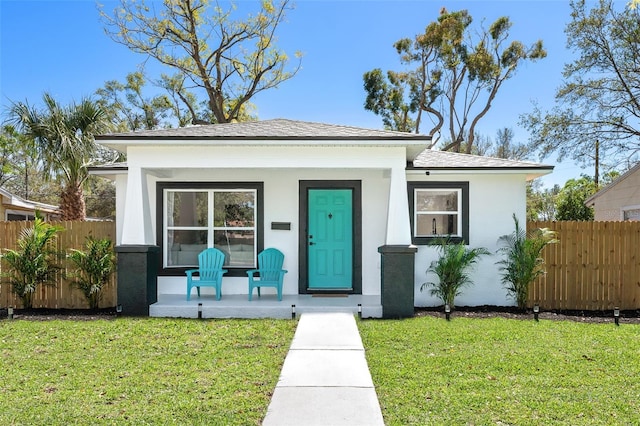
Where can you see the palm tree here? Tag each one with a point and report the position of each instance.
(523, 262)
(64, 138)
(32, 263)
(94, 267)
(452, 269)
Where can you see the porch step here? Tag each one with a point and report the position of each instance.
(237, 306)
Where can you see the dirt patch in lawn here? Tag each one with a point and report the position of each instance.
(628, 317)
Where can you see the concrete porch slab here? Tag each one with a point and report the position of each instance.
(237, 306)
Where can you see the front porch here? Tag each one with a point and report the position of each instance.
(237, 306)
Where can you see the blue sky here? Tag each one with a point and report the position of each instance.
(60, 47)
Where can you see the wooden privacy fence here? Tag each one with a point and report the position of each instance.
(595, 266)
(62, 295)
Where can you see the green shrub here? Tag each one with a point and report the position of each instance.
(94, 267)
(33, 263)
(523, 261)
(452, 269)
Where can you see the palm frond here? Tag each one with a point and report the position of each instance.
(33, 263)
(522, 262)
(94, 267)
(452, 269)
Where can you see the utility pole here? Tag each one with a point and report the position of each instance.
(596, 176)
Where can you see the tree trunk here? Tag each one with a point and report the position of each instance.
(72, 203)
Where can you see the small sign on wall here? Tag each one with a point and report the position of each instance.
(283, 226)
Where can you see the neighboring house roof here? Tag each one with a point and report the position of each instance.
(272, 132)
(13, 201)
(589, 202)
(443, 161)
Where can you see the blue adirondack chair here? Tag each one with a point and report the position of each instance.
(270, 270)
(210, 263)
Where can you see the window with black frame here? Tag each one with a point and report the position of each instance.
(196, 218)
(438, 210)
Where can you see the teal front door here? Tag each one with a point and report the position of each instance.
(330, 239)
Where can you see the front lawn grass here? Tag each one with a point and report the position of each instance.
(428, 371)
(140, 371)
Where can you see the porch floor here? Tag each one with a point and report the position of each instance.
(268, 306)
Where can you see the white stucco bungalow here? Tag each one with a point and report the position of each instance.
(331, 198)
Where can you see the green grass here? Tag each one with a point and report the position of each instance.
(140, 371)
(428, 371)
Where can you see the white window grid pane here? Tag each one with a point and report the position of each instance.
(457, 213)
(436, 196)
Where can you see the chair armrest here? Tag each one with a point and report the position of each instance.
(250, 272)
(189, 272)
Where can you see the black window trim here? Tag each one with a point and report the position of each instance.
(161, 186)
(463, 186)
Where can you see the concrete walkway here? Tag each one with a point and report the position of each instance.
(325, 379)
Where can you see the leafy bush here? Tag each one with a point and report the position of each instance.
(523, 261)
(32, 264)
(94, 268)
(452, 269)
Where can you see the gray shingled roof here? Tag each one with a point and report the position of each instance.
(277, 129)
(445, 160)
(292, 130)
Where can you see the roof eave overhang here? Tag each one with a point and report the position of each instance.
(31, 206)
(530, 172)
(414, 146)
(173, 139)
(108, 172)
(591, 201)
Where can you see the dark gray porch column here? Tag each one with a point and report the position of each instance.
(397, 280)
(137, 278)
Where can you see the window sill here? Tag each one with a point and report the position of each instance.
(426, 241)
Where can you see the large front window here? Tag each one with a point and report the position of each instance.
(438, 210)
(223, 216)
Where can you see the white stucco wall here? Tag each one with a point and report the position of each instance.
(281, 203)
(493, 198)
